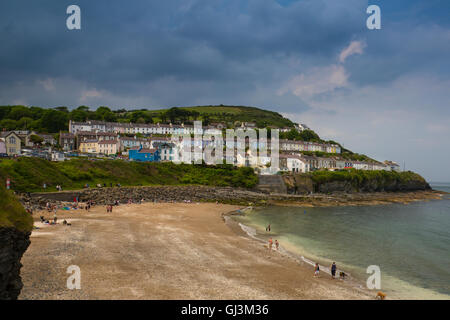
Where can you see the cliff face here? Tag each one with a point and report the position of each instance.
(371, 186)
(15, 229)
(352, 182)
(13, 244)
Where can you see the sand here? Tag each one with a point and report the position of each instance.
(165, 251)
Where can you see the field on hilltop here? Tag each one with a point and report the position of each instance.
(231, 114)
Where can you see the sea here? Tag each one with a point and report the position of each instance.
(409, 243)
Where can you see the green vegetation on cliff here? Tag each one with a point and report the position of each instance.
(12, 213)
(367, 180)
(29, 174)
(350, 181)
(359, 176)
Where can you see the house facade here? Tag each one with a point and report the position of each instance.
(2, 147)
(143, 155)
(67, 141)
(89, 146)
(12, 143)
(108, 147)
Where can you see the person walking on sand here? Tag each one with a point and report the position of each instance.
(333, 270)
(268, 228)
(316, 270)
(270, 244)
(277, 245)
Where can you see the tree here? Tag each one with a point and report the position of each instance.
(83, 108)
(36, 112)
(24, 123)
(110, 116)
(4, 110)
(309, 135)
(63, 109)
(18, 112)
(36, 140)
(79, 115)
(54, 121)
(8, 124)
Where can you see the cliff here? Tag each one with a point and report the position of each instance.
(354, 181)
(15, 230)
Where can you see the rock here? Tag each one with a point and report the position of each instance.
(13, 244)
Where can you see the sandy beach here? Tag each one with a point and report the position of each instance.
(165, 251)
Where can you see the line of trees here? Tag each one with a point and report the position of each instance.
(57, 119)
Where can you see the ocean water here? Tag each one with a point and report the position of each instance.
(410, 243)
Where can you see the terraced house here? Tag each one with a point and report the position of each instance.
(12, 143)
(108, 147)
(67, 141)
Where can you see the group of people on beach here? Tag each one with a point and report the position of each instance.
(277, 244)
(333, 267)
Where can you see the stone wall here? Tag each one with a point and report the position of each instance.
(103, 196)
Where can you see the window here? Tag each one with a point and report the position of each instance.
(12, 140)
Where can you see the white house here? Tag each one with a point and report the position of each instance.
(58, 156)
(293, 163)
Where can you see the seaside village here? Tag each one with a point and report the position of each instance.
(154, 143)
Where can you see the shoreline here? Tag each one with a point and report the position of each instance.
(252, 233)
(303, 254)
(224, 195)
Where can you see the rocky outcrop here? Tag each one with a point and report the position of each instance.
(103, 196)
(271, 184)
(13, 244)
(306, 184)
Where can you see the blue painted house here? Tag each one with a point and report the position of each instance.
(143, 155)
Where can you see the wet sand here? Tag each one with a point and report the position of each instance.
(165, 251)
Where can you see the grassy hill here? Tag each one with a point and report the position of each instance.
(29, 174)
(12, 213)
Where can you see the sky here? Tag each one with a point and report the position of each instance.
(384, 93)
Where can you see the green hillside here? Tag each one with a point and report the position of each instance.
(232, 114)
(29, 174)
(12, 213)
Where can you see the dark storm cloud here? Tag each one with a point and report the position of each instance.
(387, 96)
(122, 47)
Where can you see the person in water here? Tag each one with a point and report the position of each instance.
(316, 270)
(277, 245)
(333, 270)
(270, 244)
